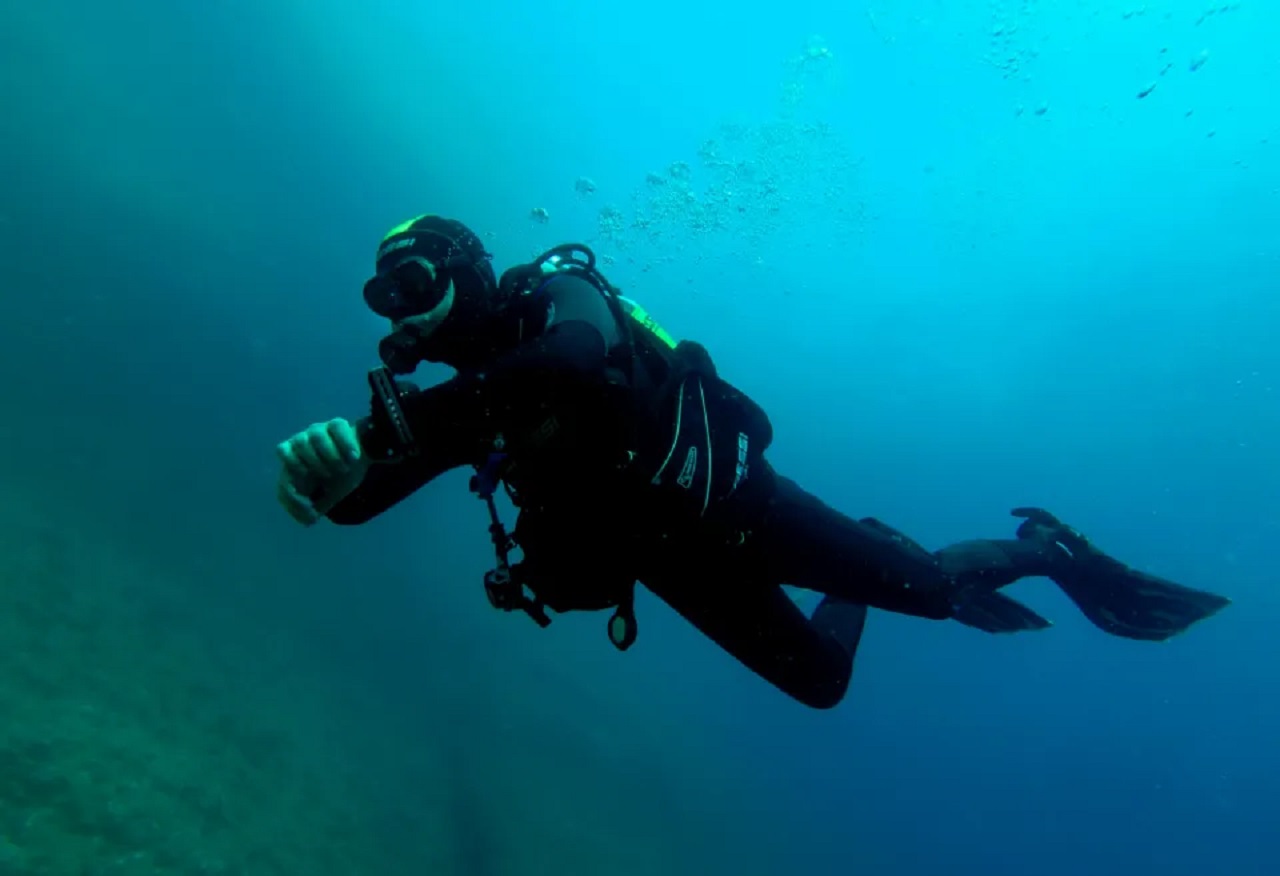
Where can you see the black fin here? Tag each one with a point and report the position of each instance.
(1134, 605)
(994, 612)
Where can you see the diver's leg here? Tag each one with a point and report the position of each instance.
(756, 622)
(804, 542)
(807, 543)
(1114, 597)
(811, 545)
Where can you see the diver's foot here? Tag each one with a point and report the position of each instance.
(1115, 598)
(1041, 526)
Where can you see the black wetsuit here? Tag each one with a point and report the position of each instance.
(639, 465)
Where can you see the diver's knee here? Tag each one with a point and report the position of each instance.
(826, 695)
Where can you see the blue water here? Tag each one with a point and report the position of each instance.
(948, 247)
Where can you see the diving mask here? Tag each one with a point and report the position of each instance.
(411, 287)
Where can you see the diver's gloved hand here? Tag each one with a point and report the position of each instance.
(321, 466)
(1114, 597)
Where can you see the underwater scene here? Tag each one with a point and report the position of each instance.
(614, 438)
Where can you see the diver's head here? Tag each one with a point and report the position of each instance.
(434, 281)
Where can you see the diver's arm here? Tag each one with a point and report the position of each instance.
(573, 299)
(455, 422)
(566, 349)
(570, 352)
(580, 331)
(447, 422)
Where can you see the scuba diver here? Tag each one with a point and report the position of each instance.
(631, 460)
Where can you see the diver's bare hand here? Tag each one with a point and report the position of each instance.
(321, 466)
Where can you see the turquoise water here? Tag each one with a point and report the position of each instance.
(967, 256)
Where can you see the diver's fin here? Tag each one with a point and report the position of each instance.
(841, 620)
(1115, 598)
(994, 612)
(1133, 604)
